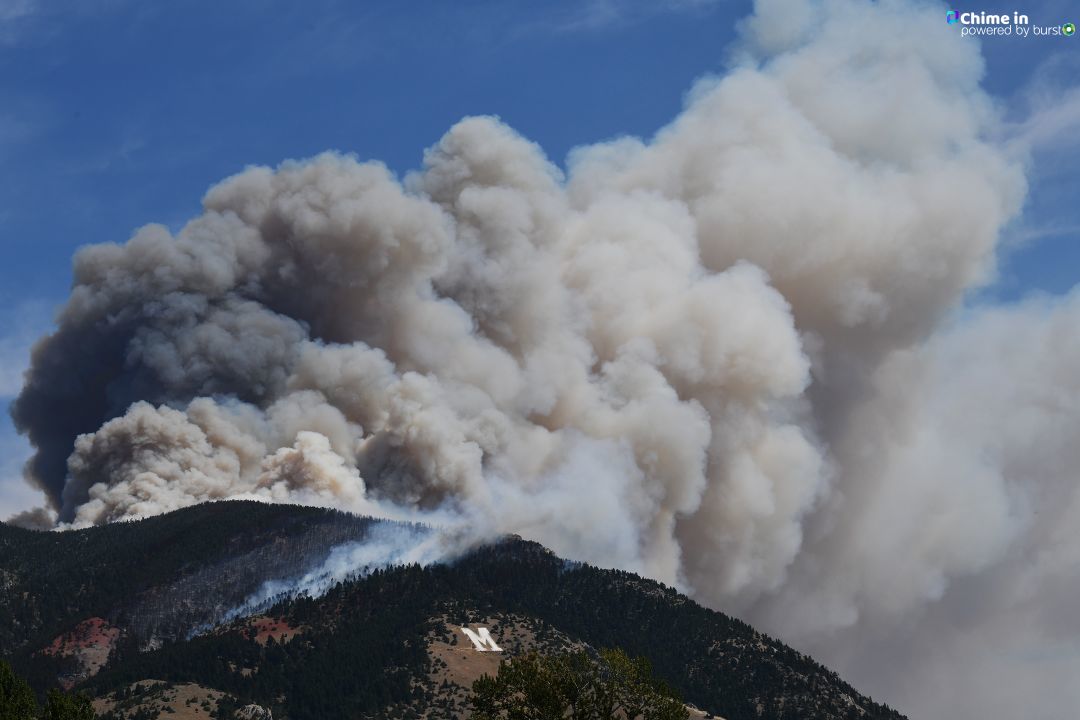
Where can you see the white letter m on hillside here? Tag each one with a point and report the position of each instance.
(482, 639)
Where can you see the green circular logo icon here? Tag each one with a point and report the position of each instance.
(1068, 29)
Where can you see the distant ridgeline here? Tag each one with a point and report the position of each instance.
(106, 609)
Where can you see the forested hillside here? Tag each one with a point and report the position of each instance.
(362, 650)
(159, 577)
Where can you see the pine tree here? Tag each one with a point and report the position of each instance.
(577, 687)
(16, 698)
(60, 706)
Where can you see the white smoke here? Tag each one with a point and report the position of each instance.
(385, 545)
(730, 357)
(948, 582)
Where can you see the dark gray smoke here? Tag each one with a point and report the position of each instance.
(723, 357)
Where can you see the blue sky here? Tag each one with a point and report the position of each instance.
(114, 114)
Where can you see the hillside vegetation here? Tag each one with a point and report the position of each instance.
(364, 648)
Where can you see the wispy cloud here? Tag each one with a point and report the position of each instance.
(15, 494)
(1043, 131)
(597, 15)
(1049, 115)
(1032, 233)
(23, 21)
(592, 15)
(19, 329)
(14, 130)
(16, 9)
(13, 16)
(1054, 122)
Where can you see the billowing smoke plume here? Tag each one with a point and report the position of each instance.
(717, 357)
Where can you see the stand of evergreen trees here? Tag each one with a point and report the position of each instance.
(362, 649)
(17, 701)
(575, 686)
(363, 644)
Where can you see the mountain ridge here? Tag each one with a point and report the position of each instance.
(370, 646)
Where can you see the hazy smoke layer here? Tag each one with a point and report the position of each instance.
(713, 358)
(385, 546)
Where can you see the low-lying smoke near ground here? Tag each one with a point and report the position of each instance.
(387, 545)
(729, 358)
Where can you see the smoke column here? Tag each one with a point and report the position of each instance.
(729, 357)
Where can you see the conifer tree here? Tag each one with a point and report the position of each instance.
(16, 698)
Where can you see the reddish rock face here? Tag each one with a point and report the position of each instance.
(266, 628)
(90, 643)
